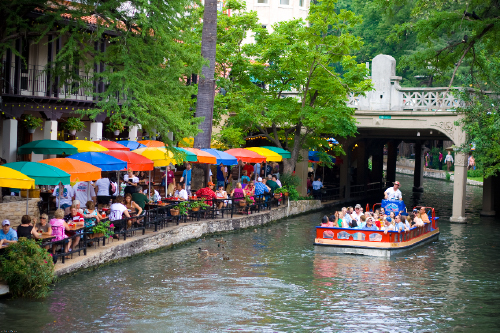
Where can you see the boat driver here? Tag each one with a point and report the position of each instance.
(393, 193)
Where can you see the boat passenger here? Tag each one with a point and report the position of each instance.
(399, 226)
(423, 216)
(324, 221)
(356, 216)
(418, 221)
(376, 219)
(382, 211)
(393, 193)
(388, 225)
(392, 215)
(369, 224)
(347, 217)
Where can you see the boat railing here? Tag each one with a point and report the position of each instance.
(348, 234)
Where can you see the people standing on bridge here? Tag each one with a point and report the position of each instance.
(393, 193)
(440, 159)
(448, 160)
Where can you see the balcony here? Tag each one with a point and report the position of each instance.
(35, 82)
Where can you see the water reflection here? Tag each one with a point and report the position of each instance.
(275, 281)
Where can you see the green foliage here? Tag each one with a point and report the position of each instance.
(282, 189)
(182, 207)
(31, 122)
(293, 194)
(291, 85)
(249, 200)
(474, 173)
(27, 268)
(448, 176)
(74, 124)
(198, 203)
(104, 227)
(481, 122)
(116, 125)
(151, 48)
(289, 180)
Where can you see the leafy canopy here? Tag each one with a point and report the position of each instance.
(150, 49)
(292, 84)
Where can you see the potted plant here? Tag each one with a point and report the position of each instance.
(103, 229)
(249, 200)
(181, 208)
(31, 122)
(282, 190)
(116, 126)
(73, 125)
(197, 205)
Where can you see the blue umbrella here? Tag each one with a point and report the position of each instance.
(313, 157)
(222, 157)
(131, 144)
(100, 160)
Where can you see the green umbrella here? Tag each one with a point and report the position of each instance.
(190, 156)
(284, 153)
(43, 174)
(48, 147)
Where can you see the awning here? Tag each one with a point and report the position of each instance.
(284, 153)
(270, 155)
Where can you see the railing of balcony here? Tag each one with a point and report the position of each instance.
(33, 80)
(430, 99)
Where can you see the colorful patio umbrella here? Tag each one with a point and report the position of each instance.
(190, 156)
(222, 157)
(111, 145)
(87, 146)
(43, 174)
(246, 155)
(270, 155)
(48, 147)
(189, 142)
(284, 153)
(160, 156)
(135, 162)
(203, 157)
(132, 145)
(100, 160)
(152, 143)
(79, 171)
(15, 179)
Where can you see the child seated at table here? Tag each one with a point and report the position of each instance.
(91, 214)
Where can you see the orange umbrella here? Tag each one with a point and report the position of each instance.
(79, 171)
(203, 156)
(135, 162)
(111, 145)
(152, 143)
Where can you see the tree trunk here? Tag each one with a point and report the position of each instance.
(289, 164)
(206, 85)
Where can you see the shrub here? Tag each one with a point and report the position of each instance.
(475, 173)
(27, 268)
(448, 176)
(289, 180)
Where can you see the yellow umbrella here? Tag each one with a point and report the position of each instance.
(270, 155)
(160, 156)
(87, 146)
(15, 179)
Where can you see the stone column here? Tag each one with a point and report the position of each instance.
(96, 131)
(418, 173)
(301, 172)
(132, 133)
(50, 133)
(459, 186)
(391, 162)
(9, 140)
(488, 197)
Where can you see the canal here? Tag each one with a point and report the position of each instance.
(273, 281)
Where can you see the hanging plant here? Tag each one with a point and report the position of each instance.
(116, 126)
(31, 122)
(73, 125)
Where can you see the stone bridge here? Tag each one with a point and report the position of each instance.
(390, 114)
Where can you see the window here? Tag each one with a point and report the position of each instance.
(261, 1)
(285, 2)
(301, 3)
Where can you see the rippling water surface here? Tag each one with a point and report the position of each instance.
(275, 282)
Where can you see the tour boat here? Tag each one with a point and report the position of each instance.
(375, 242)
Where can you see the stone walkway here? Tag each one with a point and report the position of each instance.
(433, 173)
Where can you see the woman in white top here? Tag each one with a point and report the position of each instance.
(130, 179)
(118, 209)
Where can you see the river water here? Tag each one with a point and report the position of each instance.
(274, 281)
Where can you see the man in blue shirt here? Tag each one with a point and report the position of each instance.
(7, 235)
(186, 177)
(400, 226)
(369, 224)
(261, 188)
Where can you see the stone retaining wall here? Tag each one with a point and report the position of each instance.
(182, 233)
(13, 208)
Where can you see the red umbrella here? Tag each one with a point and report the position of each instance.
(135, 161)
(246, 155)
(111, 145)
